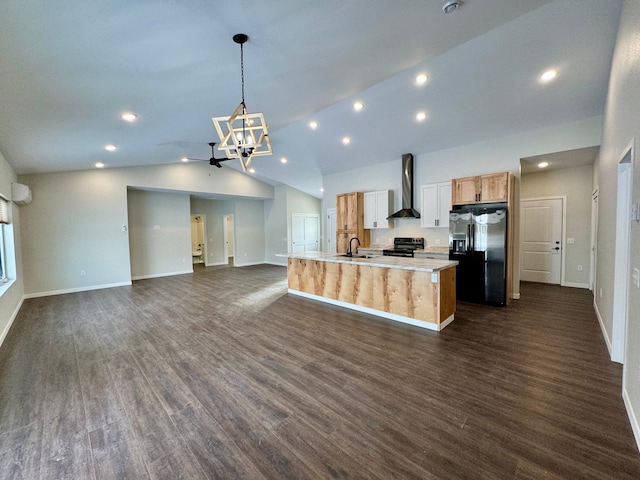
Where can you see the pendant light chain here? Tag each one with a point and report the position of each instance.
(242, 69)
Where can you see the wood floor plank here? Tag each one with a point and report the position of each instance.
(20, 452)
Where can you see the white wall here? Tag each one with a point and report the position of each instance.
(576, 184)
(75, 221)
(12, 298)
(495, 155)
(621, 126)
(249, 234)
(159, 233)
(276, 223)
(278, 213)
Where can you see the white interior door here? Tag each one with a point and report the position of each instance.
(541, 222)
(305, 232)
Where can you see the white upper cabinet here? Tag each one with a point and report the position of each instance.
(377, 208)
(436, 204)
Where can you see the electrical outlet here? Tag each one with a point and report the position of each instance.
(82, 273)
(156, 227)
(437, 241)
(636, 277)
(579, 268)
(600, 292)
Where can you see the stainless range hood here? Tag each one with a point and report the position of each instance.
(407, 190)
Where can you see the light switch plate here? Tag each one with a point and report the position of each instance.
(636, 277)
(571, 241)
(434, 278)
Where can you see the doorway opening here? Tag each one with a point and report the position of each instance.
(229, 238)
(198, 239)
(622, 256)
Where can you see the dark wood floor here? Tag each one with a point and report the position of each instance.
(221, 374)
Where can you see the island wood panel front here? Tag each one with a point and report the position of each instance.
(408, 293)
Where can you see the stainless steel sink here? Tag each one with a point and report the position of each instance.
(357, 255)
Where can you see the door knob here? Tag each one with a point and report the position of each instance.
(557, 248)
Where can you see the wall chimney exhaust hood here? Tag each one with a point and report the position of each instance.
(407, 190)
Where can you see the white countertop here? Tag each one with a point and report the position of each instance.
(404, 263)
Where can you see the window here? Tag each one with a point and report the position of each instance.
(4, 222)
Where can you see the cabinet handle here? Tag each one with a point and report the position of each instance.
(345, 226)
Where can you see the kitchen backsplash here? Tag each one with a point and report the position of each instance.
(410, 228)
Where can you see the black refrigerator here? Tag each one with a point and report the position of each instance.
(478, 241)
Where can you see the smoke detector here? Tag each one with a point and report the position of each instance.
(450, 6)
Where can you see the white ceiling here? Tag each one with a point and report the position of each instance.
(68, 70)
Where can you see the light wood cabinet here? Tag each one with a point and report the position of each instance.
(376, 209)
(490, 188)
(350, 221)
(436, 204)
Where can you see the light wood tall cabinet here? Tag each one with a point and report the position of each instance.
(350, 220)
(377, 208)
(490, 188)
(436, 204)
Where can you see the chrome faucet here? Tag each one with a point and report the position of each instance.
(350, 251)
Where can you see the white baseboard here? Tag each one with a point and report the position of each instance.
(607, 340)
(576, 285)
(158, 275)
(4, 333)
(217, 264)
(250, 264)
(276, 264)
(516, 296)
(74, 290)
(633, 420)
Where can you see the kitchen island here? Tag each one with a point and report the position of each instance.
(418, 291)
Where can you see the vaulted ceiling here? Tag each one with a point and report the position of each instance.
(68, 70)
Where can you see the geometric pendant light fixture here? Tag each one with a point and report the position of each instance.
(243, 135)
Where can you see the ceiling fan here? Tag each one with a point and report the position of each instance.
(213, 160)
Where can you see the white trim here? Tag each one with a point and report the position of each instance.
(605, 335)
(276, 264)
(373, 311)
(215, 264)
(248, 264)
(633, 419)
(75, 290)
(4, 333)
(516, 296)
(576, 285)
(158, 275)
(622, 254)
(593, 254)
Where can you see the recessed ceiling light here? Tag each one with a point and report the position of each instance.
(322, 189)
(251, 170)
(184, 159)
(543, 164)
(346, 140)
(110, 148)
(283, 160)
(451, 6)
(548, 76)
(313, 125)
(99, 165)
(422, 78)
(357, 106)
(129, 117)
(420, 116)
